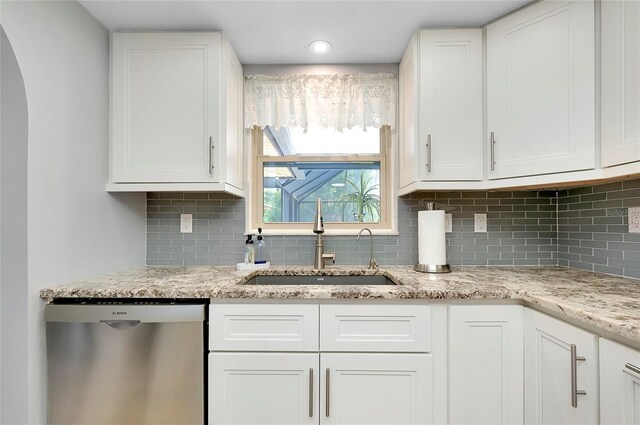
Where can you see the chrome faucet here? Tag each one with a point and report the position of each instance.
(318, 229)
(373, 264)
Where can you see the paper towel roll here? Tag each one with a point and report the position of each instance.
(431, 238)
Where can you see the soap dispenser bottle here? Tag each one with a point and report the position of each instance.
(249, 250)
(261, 249)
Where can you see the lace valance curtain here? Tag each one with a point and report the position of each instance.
(329, 101)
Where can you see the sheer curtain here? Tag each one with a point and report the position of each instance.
(328, 101)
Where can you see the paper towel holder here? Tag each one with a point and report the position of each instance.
(432, 268)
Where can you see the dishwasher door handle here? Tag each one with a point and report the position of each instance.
(121, 324)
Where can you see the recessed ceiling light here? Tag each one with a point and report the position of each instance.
(320, 47)
(337, 184)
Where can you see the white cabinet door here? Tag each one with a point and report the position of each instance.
(440, 107)
(620, 82)
(450, 95)
(263, 389)
(366, 388)
(165, 108)
(408, 115)
(486, 365)
(619, 384)
(549, 380)
(232, 159)
(541, 90)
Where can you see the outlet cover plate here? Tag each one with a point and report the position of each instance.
(186, 223)
(448, 223)
(634, 220)
(480, 223)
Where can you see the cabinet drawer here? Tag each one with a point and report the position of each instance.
(263, 327)
(382, 328)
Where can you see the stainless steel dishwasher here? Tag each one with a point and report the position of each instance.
(117, 363)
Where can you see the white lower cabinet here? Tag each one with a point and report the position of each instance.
(348, 380)
(561, 372)
(485, 364)
(489, 364)
(263, 388)
(619, 384)
(367, 388)
(305, 388)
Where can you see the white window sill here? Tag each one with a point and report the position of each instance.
(327, 231)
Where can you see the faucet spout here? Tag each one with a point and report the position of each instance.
(373, 264)
(318, 228)
(318, 223)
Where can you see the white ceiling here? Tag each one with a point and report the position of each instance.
(278, 32)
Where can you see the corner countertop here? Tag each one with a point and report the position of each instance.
(610, 303)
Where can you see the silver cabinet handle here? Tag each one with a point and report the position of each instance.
(633, 368)
(429, 153)
(493, 153)
(211, 147)
(311, 393)
(575, 392)
(327, 391)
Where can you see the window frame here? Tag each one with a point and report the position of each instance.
(254, 202)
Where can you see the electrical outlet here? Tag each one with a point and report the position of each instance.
(480, 223)
(634, 220)
(186, 223)
(448, 223)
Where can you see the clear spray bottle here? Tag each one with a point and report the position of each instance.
(261, 249)
(249, 250)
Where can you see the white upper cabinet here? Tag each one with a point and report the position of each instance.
(620, 82)
(408, 115)
(541, 90)
(441, 107)
(176, 110)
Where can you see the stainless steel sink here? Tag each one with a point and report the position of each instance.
(320, 280)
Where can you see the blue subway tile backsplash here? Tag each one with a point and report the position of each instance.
(521, 231)
(584, 227)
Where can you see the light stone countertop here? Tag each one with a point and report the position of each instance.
(609, 303)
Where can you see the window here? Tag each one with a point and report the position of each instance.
(348, 170)
(308, 143)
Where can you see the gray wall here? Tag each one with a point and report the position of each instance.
(74, 228)
(13, 248)
(521, 231)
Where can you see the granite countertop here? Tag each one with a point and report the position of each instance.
(609, 303)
